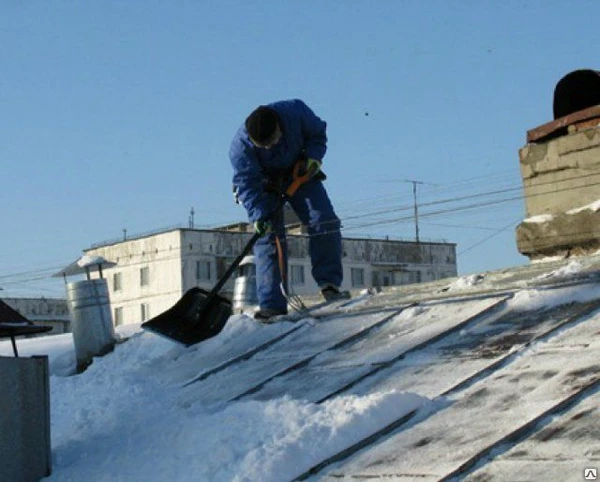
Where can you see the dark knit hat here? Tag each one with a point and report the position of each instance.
(262, 123)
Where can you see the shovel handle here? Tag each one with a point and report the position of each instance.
(233, 266)
(298, 179)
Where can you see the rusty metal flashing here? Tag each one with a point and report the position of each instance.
(560, 126)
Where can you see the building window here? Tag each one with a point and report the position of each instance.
(145, 311)
(117, 282)
(358, 276)
(118, 316)
(414, 276)
(203, 270)
(144, 276)
(297, 274)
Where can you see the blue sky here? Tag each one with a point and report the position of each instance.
(119, 114)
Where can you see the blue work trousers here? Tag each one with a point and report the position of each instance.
(312, 205)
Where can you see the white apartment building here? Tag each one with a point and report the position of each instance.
(153, 271)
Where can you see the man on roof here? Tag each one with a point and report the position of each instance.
(263, 153)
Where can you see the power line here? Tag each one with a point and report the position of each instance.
(461, 226)
(487, 238)
(37, 275)
(480, 195)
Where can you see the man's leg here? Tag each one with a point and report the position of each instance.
(268, 275)
(312, 205)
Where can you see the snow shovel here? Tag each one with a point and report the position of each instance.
(201, 314)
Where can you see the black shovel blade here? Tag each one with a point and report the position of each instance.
(195, 317)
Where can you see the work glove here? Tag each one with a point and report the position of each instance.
(262, 227)
(313, 166)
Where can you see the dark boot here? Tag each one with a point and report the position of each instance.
(333, 293)
(265, 314)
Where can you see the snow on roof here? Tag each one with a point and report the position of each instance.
(83, 265)
(595, 206)
(494, 378)
(543, 218)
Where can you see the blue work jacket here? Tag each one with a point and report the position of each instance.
(303, 134)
